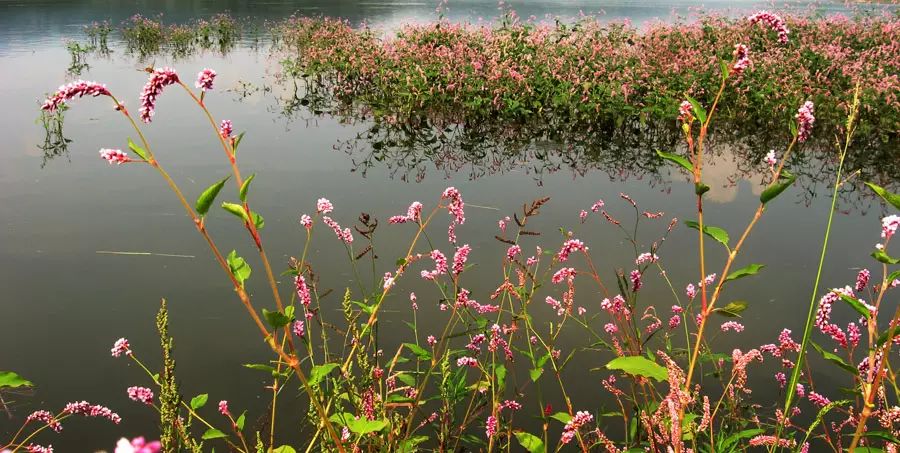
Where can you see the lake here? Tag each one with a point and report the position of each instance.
(87, 250)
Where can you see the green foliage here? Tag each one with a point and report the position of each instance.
(10, 379)
(639, 366)
(205, 200)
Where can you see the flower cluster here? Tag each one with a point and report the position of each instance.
(580, 419)
(571, 245)
(47, 418)
(138, 445)
(141, 395)
(805, 120)
(741, 59)
(774, 22)
(92, 410)
(159, 79)
(205, 79)
(79, 88)
(114, 156)
(226, 129)
(413, 214)
(121, 347)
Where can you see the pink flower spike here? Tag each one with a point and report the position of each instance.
(324, 206)
(141, 395)
(774, 22)
(47, 418)
(770, 158)
(205, 79)
(226, 129)
(299, 328)
(159, 79)
(114, 156)
(75, 89)
(685, 112)
(467, 361)
(805, 121)
(137, 445)
(121, 347)
(306, 221)
(741, 59)
(223, 408)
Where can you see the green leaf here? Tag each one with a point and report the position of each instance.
(500, 373)
(277, 319)
(752, 269)
(141, 152)
(733, 309)
(699, 111)
(319, 372)
(239, 267)
(258, 220)
(244, 187)
(561, 417)
(700, 188)
(363, 426)
(833, 358)
(530, 442)
(856, 305)
(889, 197)
(237, 210)
(259, 367)
(213, 433)
(535, 374)
(639, 366)
(13, 380)
(240, 421)
(420, 352)
(237, 141)
(199, 401)
(684, 162)
(205, 200)
(883, 257)
(725, 68)
(745, 434)
(409, 445)
(777, 187)
(716, 233)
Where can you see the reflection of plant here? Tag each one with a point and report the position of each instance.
(77, 52)
(55, 143)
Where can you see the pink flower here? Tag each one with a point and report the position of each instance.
(582, 215)
(741, 59)
(674, 321)
(774, 22)
(862, 279)
(306, 221)
(456, 205)
(141, 395)
(818, 399)
(92, 410)
(413, 214)
(611, 328)
(597, 205)
(34, 448)
(431, 340)
(440, 265)
(159, 79)
(137, 445)
(512, 252)
(889, 226)
(690, 291)
(685, 112)
(299, 328)
(635, 278)
(205, 79)
(580, 419)
(226, 129)
(509, 404)
(121, 347)
(732, 325)
(490, 426)
(645, 258)
(566, 273)
(223, 408)
(114, 156)
(467, 361)
(770, 158)
(344, 235)
(302, 289)
(47, 418)
(323, 206)
(805, 120)
(781, 378)
(460, 258)
(388, 281)
(78, 88)
(568, 247)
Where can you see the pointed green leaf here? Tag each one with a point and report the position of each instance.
(364, 426)
(733, 309)
(239, 267)
(237, 210)
(237, 141)
(419, 351)
(141, 152)
(530, 442)
(320, 371)
(240, 421)
(725, 68)
(856, 305)
(199, 401)
(716, 233)
(245, 187)
(684, 162)
(835, 359)
(561, 417)
(13, 380)
(213, 433)
(205, 200)
(258, 220)
(883, 257)
(889, 197)
(277, 319)
(777, 187)
(699, 111)
(752, 269)
(639, 366)
(535, 374)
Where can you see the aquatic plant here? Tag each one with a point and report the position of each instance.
(497, 360)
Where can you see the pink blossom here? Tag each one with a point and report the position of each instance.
(34, 448)
(635, 278)
(431, 340)
(121, 347)
(45, 417)
(137, 445)
(774, 22)
(413, 214)
(299, 329)
(582, 311)
(645, 258)
(509, 404)
(205, 79)
(674, 321)
(597, 205)
(690, 291)
(741, 59)
(114, 156)
(889, 226)
(226, 129)
(566, 273)
(580, 419)
(513, 251)
(568, 247)
(685, 111)
(502, 223)
(732, 325)
(324, 206)
(306, 221)
(303, 293)
(92, 410)
(770, 158)
(611, 328)
(490, 426)
(141, 395)
(78, 88)
(781, 378)
(456, 205)
(388, 281)
(467, 361)
(459, 259)
(159, 79)
(818, 399)
(223, 408)
(862, 279)
(763, 440)
(344, 235)
(805, 120)
(582, 215)
(440, 265)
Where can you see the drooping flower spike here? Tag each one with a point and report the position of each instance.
(79, 88)
(159, 79)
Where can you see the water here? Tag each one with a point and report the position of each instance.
(66, 300)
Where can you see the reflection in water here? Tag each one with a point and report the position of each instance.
(55, 143)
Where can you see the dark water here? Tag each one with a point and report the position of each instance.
(65, 302)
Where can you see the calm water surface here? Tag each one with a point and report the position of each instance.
(64, 302)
